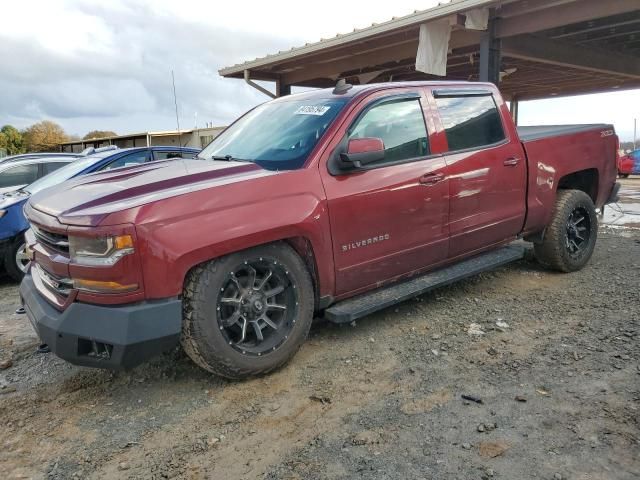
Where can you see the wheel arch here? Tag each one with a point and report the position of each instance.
(585, 180)
(301, 244)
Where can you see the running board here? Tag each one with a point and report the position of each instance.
(353, 308)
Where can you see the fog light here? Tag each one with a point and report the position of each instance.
(91, 348)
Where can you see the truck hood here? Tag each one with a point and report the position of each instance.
(87, 199)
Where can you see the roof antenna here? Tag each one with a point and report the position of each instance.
(175, 101)
(342, 87)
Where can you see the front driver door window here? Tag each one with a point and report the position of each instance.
(401, 127)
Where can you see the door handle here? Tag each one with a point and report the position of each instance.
(431, 178)
(511, 162)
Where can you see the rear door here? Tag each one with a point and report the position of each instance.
(486, 169)
(390, 218)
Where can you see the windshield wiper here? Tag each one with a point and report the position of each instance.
(228, 158)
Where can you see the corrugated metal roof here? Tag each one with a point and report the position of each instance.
(416, 18)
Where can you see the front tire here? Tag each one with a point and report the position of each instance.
(16, 260)
(247, 313)
(570, 238)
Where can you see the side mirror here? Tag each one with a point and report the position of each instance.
(362, 151)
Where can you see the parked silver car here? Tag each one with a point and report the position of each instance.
(18, 172)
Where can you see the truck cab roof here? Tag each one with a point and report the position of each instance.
(359, 90)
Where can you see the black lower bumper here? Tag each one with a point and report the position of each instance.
(116, 337)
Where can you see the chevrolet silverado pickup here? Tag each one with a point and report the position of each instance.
(335, 202)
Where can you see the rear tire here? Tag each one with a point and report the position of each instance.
(570, 238)
(15, 260)
(624, 175)
(247, 313)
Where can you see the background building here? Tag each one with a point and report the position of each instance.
(195, 138)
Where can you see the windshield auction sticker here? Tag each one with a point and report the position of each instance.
(318, 110)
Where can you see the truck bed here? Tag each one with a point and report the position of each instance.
(536, 132)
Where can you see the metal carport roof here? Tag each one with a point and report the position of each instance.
(546, 48)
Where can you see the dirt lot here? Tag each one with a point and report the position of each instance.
(557, 368)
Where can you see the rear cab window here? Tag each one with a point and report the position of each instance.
(470, 121)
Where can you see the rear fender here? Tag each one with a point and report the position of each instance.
(584, 161)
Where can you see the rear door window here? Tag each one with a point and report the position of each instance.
(400, 125)
(128, 160)
(470, 121)
(164, 155)
(49, 167)
(19, 175)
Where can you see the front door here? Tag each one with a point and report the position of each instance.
(487, 172)
(390, 219)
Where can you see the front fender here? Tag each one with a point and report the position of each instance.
(215, 226)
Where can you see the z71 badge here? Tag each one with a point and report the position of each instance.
(365, 242)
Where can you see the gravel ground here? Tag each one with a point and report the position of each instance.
(553, 359)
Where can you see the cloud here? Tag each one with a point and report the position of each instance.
(117, 74)
(107, 65)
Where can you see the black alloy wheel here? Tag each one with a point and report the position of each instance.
(578, 232)
(258, 307)
(247, 313)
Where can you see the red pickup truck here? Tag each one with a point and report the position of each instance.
(339, 202)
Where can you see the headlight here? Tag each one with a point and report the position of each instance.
(2, 213)
(100, 251)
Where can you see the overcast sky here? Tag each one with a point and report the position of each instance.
(107, 65)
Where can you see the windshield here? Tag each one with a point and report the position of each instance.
(276, 135)
(60, 175)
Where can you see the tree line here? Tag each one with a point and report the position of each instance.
(44, 136)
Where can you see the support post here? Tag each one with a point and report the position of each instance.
(282, 89)
(490, 53)
(247, 78)
(515, 105)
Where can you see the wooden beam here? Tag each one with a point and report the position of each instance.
(537, 94)
(555, 52)
(563, 14)
(372, 59)
(524, 7)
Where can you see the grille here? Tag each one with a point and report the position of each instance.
(54, 241)
(58, 285)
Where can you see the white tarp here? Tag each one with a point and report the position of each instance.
(477, 19)
(433, 48)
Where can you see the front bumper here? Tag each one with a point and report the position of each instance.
(118, 337)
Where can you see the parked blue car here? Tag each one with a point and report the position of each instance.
(13, 224)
